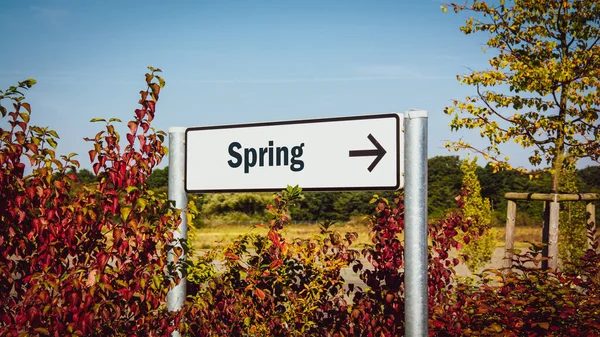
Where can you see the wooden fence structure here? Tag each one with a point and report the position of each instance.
(551, 218)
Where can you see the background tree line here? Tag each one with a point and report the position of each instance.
(445, 183)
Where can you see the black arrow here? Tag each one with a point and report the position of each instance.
(379, 152)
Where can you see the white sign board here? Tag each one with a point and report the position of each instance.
(331, 154)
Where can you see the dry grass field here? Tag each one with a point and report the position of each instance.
(213, 236)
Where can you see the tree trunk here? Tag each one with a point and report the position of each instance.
(551, 214)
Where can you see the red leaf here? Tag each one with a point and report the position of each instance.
(32, 147)
(101, 259)
(96, 168)
(142, 139)
(139, 113)
(130, 138)
(276, 264)
(117, 233)
(144, 95)
(133, 126)
(259, 293)
(274, 237)
(59, 184)
(151, 105)
(231, 256)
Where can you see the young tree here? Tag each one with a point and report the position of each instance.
(542, 88)
(480, 248)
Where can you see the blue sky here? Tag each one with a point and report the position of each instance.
(230, 62)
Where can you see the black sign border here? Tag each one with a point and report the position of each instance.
(303, 121)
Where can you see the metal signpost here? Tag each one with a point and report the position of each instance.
(415, 224)
(329, 154)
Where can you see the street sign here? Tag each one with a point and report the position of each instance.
(330, 154)
(333, 154)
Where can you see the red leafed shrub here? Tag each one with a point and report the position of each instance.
(88, 262)
(528, 301)
(379, 311)
(267, 286)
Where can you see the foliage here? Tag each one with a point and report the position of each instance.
(271, 287)
(234, 208)
(88, 263)
(379, 309)
(572, 225)
(263, 285)
(338, 206)
(479, 248)
(267, 286)
(591, 176)
(159, 178)
(495, 185)
(589, 181)
(85, 176)
(545, 66)
(444, 183)
(528, 301)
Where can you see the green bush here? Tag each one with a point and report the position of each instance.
(478, 249)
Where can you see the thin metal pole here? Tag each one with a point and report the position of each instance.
(176, 193)
(415, 221)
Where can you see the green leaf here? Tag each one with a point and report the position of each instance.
(28, 82)
(53, 134)
(114, 120)
(97, 120)
(129, 189)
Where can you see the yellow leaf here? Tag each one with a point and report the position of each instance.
(125, 213)
(43, 331)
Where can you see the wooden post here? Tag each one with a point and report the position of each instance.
(511, 215)
(546, 233)
(590, 209)
(551, 219)
(553, 242)
(550, 234)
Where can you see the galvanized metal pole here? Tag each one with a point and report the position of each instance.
(415, 222)
(176, 193)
